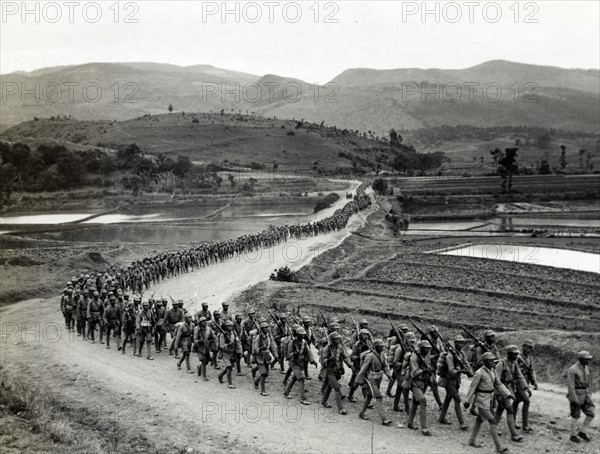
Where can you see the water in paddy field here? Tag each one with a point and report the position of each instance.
(558, 258)
(170, 224)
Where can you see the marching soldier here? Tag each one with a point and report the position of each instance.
(94, 315)
(128, 328)
(172, 317)
(67, 306)
(374, 365)
(229, 347)
(81, 313)
(400, 365)
(489, 345)
(483, 385)
(360, 347)
(248, 325)
(580, 396)
(183, 341)
(420, 377)
(262, 349)
(237, 327)
(333, 358)
(225, 314)
(112, 320)
(299, 355)
(450, 380)
(204, 337)
(215, 324)
(511, 377)
(205, 312)
(525, 362)
(280, 338)
(144, 324)
(159, 329)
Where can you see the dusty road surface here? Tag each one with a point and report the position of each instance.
(174, 412)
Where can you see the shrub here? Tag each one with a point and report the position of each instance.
(284, 274)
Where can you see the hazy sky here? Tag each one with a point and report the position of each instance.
(312, 47)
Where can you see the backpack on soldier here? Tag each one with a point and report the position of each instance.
(442, 365)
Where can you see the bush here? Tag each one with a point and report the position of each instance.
(326, 202)
(380, 186)
(284, 275)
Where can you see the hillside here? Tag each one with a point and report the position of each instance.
(363, 99)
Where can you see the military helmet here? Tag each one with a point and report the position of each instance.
(251, 312)
(512, 349)
(334, 335)
(188, 315)
(487, 355)
(432, 329)
(300, 331)
(238, 316)
(202, 320)
(528, 343)
(334, 325)
(263, 325)
(204, 304)
(404, 327)
(225, 304)
(146, 303)
(424, 344)
(228, 323)
(459, 338)
(216, 312)
(489, 333)
(378, 343)
(164, 300)
(363, 322)
(283, 317)
(306, 319)
(364, 331)
(584, 355)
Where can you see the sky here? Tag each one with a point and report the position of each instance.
(309, 40)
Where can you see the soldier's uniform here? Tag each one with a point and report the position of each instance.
(420, 377)
(451, 382)
(172, 317)
(374, 366)
(81, 315)
(333, 357)
(511, 376)
(67, 307)
(358, 349)
(94, 315)
(128, 328)
(159, 329)
(480, 395)
(489, 346)
(112, 319)
(183, 340)
(204, 337)
(262, 349)
(299, 356)
(144, 325)
(580, 396)
(230, 347)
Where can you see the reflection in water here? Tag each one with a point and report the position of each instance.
(558, 258)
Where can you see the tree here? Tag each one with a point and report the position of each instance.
(380, 186)
(231, 179)
(496, 154)
(182, 166)
(170, 108)
(395, 139)
(563, 156)
(581, 155)
(507, 168)
(544, 166)
(543, 140)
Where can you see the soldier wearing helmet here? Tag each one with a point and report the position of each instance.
(112, 320)
(525, 362)
(248, 325)
(580, 396)
(183, 341)
(159, 311)
(204, 337)
(374, 366)
(67, 307)
(489, 345)
(262, 349)
(333, 357)
(455, 364)
(215, 324)
(511, 376)
(421, 376)
(172, 317)
(484, 384)
(229, 347)
(299, 356)
(144, 324)
(362, 346)
(128, 328)
(94, 316)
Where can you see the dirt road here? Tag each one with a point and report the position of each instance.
(176, 413)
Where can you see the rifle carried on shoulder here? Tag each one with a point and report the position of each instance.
(410, 348)
(356, 327)
(477, 341)
(453, 351)
(425, 336)
(325, 320)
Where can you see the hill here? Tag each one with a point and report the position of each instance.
(494, 93)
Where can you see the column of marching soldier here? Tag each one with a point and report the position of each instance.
(412, 366)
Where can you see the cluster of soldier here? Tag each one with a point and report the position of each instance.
(412, 366)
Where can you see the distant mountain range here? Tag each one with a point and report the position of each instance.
(495, 93)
